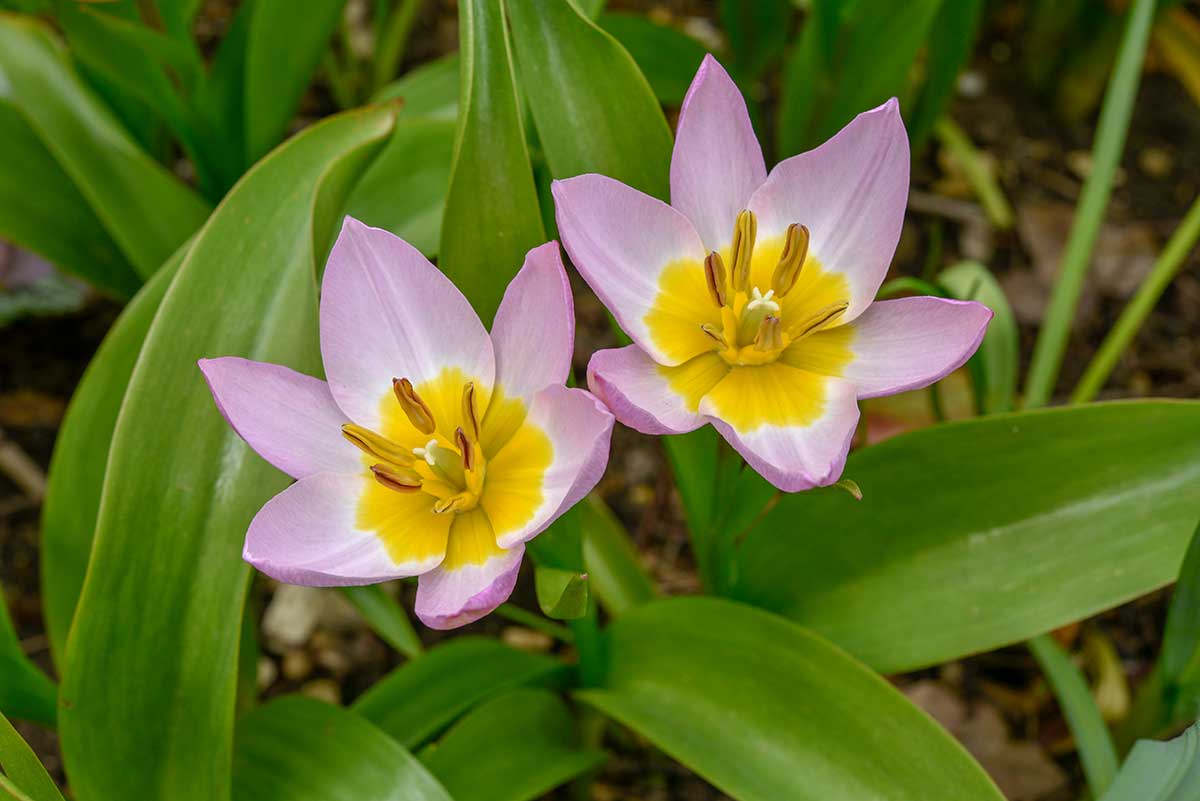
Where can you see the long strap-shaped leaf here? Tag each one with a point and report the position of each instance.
(151, 660)
(21, 765)
(25, 691)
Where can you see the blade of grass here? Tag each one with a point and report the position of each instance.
(1106, 154)
(1092, 739)
(387, 618)
(983, 184)
(1122, 334)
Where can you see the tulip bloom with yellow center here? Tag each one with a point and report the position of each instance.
(750, 297)
(434, 449)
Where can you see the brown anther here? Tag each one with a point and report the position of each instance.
(465, 448)
(470, 411)
(791, 261)
(714, 334)
(819, 318)
(770, 336)
(397, 479)
(714, 276)
(418, 413)
(741, 251)
(450, 504)
(376, 446)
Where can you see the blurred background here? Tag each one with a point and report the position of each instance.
(1001, 99)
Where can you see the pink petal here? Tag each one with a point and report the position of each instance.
(475, 578)
(636, 389)
(288, 418)
(579, 428)
(620, 240)
(851, 193)
(386, 313)
(799, 457)
(534, 332)
(308, 534)
(912, 342)
(717, 163)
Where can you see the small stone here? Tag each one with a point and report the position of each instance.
(1079, 162)
(326, 690)
(268, 671)
(972, 84)
(524, 639)
(1156, 162)
(297, 665)
(290, 617)
(334, 661)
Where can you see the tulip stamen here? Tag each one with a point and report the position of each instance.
(818, 319)
(376, 446)
(417, 411)
(400, 480)
(715, 278)
(741, 251)
(791, 260)
(770, 336)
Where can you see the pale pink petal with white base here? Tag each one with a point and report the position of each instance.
(620, 240)
(534, 332)
(288, 418)
(634, 387)
(850, 192)
(717, 163)
(579, 429)
(910, 343)
(308, 534)
(475, 578)
(386, 313)
(796, 458)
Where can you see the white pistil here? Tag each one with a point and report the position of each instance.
(428, 453)
(760, 301)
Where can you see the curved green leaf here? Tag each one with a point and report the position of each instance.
(766, 710)
(76, 475)
(1160, 771)
(420, 698)
(21, 765)
(41, 210)
(147, 211)
(516, 747)
(561, 594)
(667, 57)
(25, 691)
(757, 32)
(387, 618)
(430, 90)
(152, 657)
(977, 534)
(994, 366)
(614, 571)
(593, 108)
(298, 749)
(492, 217)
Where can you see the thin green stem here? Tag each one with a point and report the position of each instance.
(391, 42)
(536, 622)
(1106, 154)
(340, 85)
(592, 659)
(387, 618)
(1092, 738)
(1139, 307)
(990, 195)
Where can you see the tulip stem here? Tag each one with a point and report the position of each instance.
(1097, 188)
(529, 620)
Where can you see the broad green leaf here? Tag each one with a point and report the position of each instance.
(220, 99)
(147, 211)
(593, 108)
(76, 474)
(951, 39)
(430, 90)
(283, 48)
(516, 747)
(976, 534)
(21, 765)
(1160, 771)
(492, 217)
(757, 32)
(994, 365)
(850, 58)
(41, 210)
(422, 697)
(561, 594)
(614, 569)
(387, 618)
(668, 57)
(766, 710)
(299, 749)
(152, 658)
(25, 691)
(1180, 656)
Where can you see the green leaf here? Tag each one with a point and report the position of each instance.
(1160, 771)
(757, 33)
(25, 691)
(951, 39)
(76, 475)
(995, 530)
(41, 210)
(994, 365)
(668, 57)
(562, 594)
(593, 108)
(283, 49)
(299, 749)
(766, 710)
(153, 650)
(614, 569)
(419, 699)
(1180, 656)
(19, 763)
(516, 747)
(492, 218)
(147, 211)
(430, 90)
(851, 57)
(387, 618)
